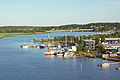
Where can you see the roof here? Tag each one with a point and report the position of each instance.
(89, 40)
(112, 38)
(118, 44)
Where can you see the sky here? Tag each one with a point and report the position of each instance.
(58, 12)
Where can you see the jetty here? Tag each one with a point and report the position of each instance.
(108, 64)
(112, 59)
(118, 68)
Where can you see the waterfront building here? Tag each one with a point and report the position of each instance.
(89, 43)
(112, 48)
(112, 40)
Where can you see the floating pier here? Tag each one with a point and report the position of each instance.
(118, 68)
(108, 64)
(112, 59)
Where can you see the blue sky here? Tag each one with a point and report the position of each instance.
(58, 12)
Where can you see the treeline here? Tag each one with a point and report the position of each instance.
(17, 29)
(97, 27)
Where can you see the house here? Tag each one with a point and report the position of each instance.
(89, 43)
(112, 48)
(112, 40)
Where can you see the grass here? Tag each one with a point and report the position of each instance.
(3, 35)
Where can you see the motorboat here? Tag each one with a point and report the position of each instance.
(50, 53)
(24, 46)
(42, 46)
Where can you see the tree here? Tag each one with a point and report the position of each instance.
(90, 48)
(103, 39)
(81, 40)
(55, 38)
(118, 40)
(42, 40)
(84, 37)
(96, 40)
(34, 40)
(79, 48)
(85, 48)
(77, 40)
(89, 37)
(101, 48)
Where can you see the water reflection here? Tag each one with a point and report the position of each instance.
(50, 56)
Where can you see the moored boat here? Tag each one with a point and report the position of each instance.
(60, 53)
(24, 46)
(47, 53)
(50, 53)
(42, 46)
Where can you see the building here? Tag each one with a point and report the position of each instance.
(89, 43)
(112, 40)
(112, 48)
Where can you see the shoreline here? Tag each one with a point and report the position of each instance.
(3, 35)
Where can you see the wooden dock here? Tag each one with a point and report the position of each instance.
(118, 68)
(108, 64)
(112, 59)
(114, 63)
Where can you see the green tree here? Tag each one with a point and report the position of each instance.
(89, 37)
(79, 48)
(81, 40)
(42, 40)
(103, 39)
(90, 48)
(118, 40)
(101, 48)
(55, 38)
(96, 40)
(85, 48)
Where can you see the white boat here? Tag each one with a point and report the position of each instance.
(52, 48)
(50, 53)
(24, 46)
(105, 65)
(59, 47)
(47, 53)
(66, 54)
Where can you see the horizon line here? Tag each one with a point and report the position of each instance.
(58, 24)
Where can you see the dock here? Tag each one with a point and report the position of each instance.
(108, 64)
(118, 68)
(112, 59)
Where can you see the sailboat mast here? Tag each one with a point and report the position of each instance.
(66, 41)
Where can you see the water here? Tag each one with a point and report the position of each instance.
(32, 64)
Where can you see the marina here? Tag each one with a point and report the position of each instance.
(33, 63)
(60, 40)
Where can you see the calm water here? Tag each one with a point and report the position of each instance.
(32, 64)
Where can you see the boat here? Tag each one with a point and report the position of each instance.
(47, 53)
(60, 53)
(52, 48)
(38, 46)
(42, 46)
(66, 54)
(50, 53)
(24, 46)
(105, 65)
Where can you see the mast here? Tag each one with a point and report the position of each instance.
(66, 41)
